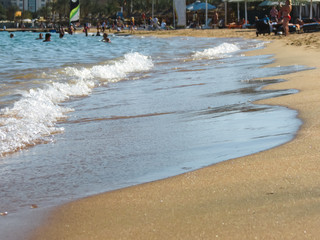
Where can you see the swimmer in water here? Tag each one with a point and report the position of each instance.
(47, 37)
(40, 36)
(105, 38)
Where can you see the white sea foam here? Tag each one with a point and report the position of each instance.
(261, 44)
(220, 51)
(132, 62)
(33, 118)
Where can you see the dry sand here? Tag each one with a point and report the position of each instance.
(274, 194)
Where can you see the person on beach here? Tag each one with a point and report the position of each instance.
(274, 14)
(215, 19)
(144, 20)
(132, 25)
(285, 14)
(103, 26)
(150, 21)
(266, 19)
(40, 36)
(47, 37)
(120, 24)
(98, 26)
(164, 25)
(155, 21)
(195, 20)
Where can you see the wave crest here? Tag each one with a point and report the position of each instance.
(220, 51)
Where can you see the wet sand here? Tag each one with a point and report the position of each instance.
(274, 194)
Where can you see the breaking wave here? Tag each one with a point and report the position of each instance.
(33, 118)
(220, 51)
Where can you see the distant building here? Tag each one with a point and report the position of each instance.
(30, 5)
(5, 3)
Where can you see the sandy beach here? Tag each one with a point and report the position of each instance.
(273, 194)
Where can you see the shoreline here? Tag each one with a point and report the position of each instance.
(269, 195)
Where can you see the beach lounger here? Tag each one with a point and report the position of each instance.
(234, 25)
(278, 29)
(310, 27)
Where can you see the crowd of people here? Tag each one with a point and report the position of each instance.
(119, 24)
(282, 16)
(195, 23)
(278, 20)
(279, 16)
(70, 30)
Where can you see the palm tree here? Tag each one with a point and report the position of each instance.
(2, 12)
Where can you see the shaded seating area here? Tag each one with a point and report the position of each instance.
(309, 25)
(263, 27)
(237, 24)
(278, 29)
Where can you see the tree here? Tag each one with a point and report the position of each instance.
(11, 12)
(105, 8)
(44, 12)
(85, 8)
(62, 8)
(26, 15)
(2, 12)
(98, 9)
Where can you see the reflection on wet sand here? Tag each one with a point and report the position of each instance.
(118, 117)
(230, 109)
(189, 70)
(181, 86)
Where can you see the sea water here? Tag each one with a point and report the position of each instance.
(79, 116)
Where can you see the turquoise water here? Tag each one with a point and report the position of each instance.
(80, 116)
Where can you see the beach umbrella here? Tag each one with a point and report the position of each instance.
(27, 20)
(41, 19)
(268, 3)
(245, 7)
(197, 6)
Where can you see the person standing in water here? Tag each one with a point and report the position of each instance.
(285, 14)
(61, 32)
(85, 29)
